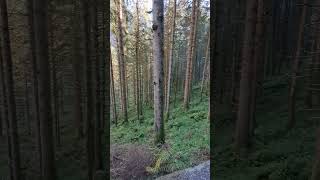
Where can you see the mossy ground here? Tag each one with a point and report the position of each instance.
(186, 132)
(275, 154)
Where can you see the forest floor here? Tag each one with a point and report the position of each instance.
(187, 142)
(70, 155)
(275, 154)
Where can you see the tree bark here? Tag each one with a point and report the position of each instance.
(35, 98)
(45, 114)
(258, 49)
(205, 68)
(158, 75)
(5, 112)
(188, 78)
(76, 66)
(9, 91)
(242, 124)
(295, 69)
(113, 100)
(122, 64)
(97, 128)
(137, 73)
(171, 50)
(90, 106)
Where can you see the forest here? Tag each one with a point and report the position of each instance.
(159, 86)
(54, 98)
(147, 88)
(265, 90)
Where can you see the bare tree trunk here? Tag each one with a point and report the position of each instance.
(11, 104)
(97, 128)
(76, 66)
(122, 64)
(158, 74)
(113, 100)
(137, 65)
(27, 104)
(190, 56)
(295, 68)
(90, 106)
(170, 61)
(258, 49)
(5, 113)
(177, 77)
(242, 124)
(205, 69)
(55, 99)
(35, 99)
(45, 115)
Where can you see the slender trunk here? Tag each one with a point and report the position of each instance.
(45, 115)
(9, 82)
(176, 86)
(158, 74)
(27, 104)
(76, 65)
(104, 68)
(35, 98)
(56, 104)
(295, 68)
(205, 68)
(170, 61)
(187, 84)
(258, 49)
(5, 112)
(114, 105)
(97, 128)
(90, 106)
(137, 66)
(242, 124)
(122, 64)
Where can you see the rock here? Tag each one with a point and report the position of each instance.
(200, 172)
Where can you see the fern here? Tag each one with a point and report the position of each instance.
(161, 163)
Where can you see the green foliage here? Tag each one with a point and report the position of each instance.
(275, 153)
(186, 134)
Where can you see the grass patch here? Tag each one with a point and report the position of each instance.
(187, 134)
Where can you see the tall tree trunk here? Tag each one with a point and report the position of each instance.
(11, 104)
(76, 66)
(258, 49)
(205, 69)
(113, 100)
(35, 98)
(295, 69)
(5, 112)
(97, 128)
(56, 104)
(242, 124)
(45, 114)
(158, 54)
(122, 64)
(90, 106)
(104, 68)
(188, 78)
(27, 102)
(170, 61)
(137, 65)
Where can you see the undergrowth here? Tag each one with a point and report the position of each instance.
(275, 154)
(186, 134)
